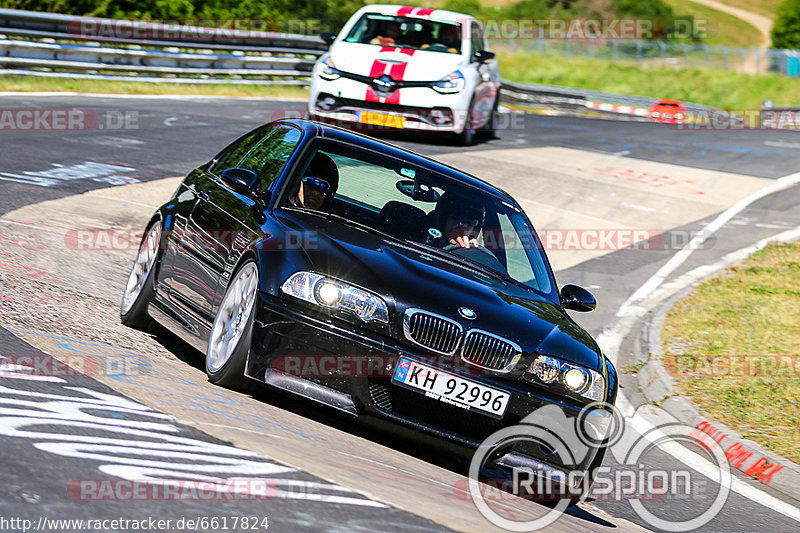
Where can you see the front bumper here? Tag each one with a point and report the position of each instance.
(282, 334)
(435, 112)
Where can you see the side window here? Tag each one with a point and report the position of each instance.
(519, 265)
(476, 38)
(268, 158)
(230, 156)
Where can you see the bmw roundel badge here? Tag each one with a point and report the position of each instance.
(467, 313)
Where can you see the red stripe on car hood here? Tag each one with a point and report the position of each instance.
(395, 70)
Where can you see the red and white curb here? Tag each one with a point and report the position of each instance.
(622, 109)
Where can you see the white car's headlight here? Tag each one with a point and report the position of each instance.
(584, 381)
(326, 69)
(334, 294)
(452, 83)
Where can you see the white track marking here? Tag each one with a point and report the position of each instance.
(702, 465)
(649, 295)
(723, 218)
(635, 306)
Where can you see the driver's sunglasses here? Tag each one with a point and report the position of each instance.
(317, 184)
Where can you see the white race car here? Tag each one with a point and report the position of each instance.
(408, 68)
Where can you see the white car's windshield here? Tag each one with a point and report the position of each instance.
(406, 32)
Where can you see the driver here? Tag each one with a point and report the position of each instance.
(392, 34)
(458, 221)
(318, 185)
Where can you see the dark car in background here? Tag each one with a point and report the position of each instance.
(369, 302)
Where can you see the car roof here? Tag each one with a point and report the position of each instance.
(440, 15)
(319, 130)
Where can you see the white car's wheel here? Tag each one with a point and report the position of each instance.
(139, 288)
(229, 342)
(467, 136)
(489, 130)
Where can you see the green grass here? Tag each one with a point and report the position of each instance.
(733, 344)
(34, 84)
(725, 90)
(762, 7)
(722, 28)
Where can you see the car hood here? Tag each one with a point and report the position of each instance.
(401, 63)
(408, 277)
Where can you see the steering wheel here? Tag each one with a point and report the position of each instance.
(438, 47)
(479, 254)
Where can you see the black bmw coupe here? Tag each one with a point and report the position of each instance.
(370, 279)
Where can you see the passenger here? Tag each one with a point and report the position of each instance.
(457, 222)
(392, 34)
(319, 184)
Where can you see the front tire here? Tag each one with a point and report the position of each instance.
(139, 288)
(467, 136)
(489, 130)
(232, 332)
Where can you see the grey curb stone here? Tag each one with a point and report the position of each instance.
(658, 386)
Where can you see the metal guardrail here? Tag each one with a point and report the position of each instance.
(45, 44)
(43, 25)
(566, 98)
(67, 46)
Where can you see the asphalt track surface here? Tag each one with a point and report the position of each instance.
(167, 137)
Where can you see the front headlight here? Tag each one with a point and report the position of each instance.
(334, 294)
(326, 69)
(452, 83)
(578, 379)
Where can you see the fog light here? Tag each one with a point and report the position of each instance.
(327, 293)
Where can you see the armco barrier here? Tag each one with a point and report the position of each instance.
(34, 24)
(55, 45)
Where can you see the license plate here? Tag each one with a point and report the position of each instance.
(382, 119)
(450, 389)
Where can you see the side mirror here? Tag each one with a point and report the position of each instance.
(482, 56)
(239, 179)
(577, 298)
(328, 37)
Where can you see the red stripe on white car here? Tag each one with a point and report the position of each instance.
(405, 11)
(395, 70)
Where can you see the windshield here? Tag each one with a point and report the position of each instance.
(406, 32)
(418, 205)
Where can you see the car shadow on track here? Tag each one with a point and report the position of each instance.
(388, 434)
